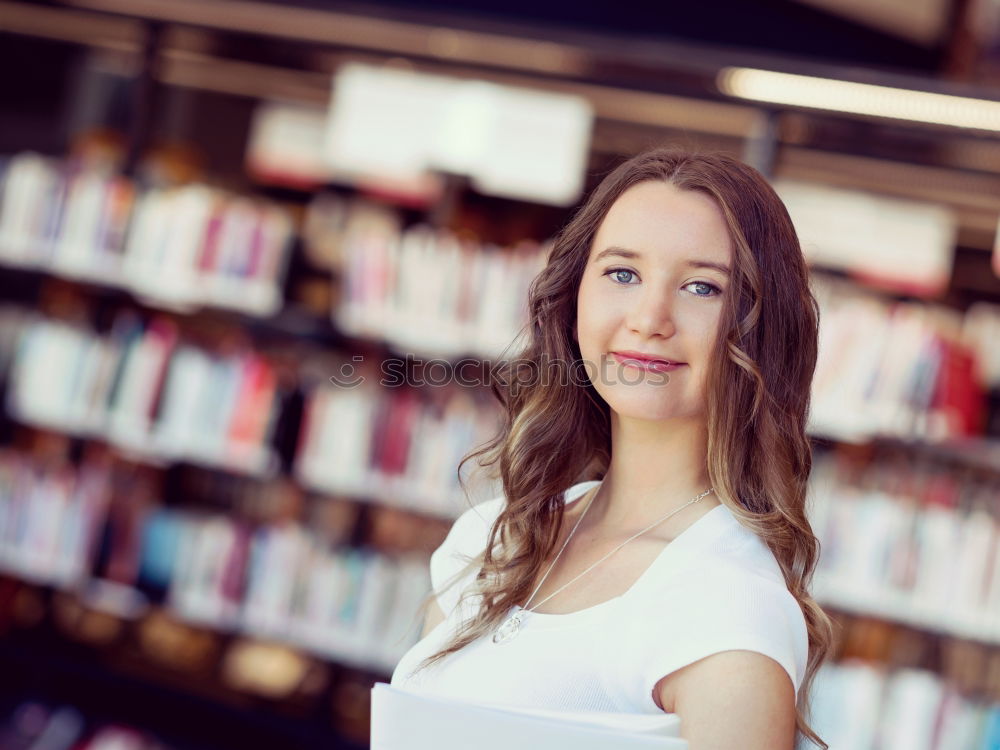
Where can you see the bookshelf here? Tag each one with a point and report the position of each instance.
(267, 293)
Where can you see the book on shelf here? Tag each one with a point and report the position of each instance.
(181, 247)
(427, 291)
(858, 704)
(397, 445)
(920, 371)
(75, 528)
(927, 554)
(144, 389)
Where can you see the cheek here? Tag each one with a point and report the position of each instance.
(588, 318)
(704, 345)
(594, 326)
(705, 328)
(584, 329)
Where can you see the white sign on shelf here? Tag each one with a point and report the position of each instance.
(903, 244)
(514, 142)
(286, 143)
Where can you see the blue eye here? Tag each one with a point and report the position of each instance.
(611, 271)
(713, 287)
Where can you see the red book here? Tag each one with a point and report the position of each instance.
(208, 258)
(251, 268)
(166, 331)
(397, 432)
(254, 402)
(959, 395)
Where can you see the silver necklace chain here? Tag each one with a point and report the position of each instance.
(651, 526)
(512, 625)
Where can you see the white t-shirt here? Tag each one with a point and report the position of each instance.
(715, 587)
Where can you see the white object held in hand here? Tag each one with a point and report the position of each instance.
(403, 720)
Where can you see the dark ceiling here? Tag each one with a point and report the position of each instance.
(782, 26)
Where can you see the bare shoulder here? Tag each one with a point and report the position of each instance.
(752, 691)
(434, 617)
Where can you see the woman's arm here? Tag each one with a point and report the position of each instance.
(732, 699)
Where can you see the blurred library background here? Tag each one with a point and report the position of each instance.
(217, 215)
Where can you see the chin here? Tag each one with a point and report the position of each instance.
(646, 409)
(646, 416)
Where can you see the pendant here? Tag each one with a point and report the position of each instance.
(510, 628)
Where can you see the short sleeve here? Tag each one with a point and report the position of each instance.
(721, 610)
(466, 539)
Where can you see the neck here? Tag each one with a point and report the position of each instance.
(656, 467)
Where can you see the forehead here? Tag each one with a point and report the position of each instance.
(656, 217)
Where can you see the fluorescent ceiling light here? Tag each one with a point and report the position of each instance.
(860, 98)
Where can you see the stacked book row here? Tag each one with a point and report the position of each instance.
(184, 247)
(148, 390)
(402, 445)
(429, 292)
(862, 706)
(281, 580)
(144, 388)
(918, 549)
(901, 369)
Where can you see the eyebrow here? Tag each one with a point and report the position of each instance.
(622, 252)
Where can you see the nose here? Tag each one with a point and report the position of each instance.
(652, 313)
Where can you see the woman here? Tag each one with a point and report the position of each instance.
(673, 342)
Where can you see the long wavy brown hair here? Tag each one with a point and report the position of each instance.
(556, 428)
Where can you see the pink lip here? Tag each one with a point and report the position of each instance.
(644, 361)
